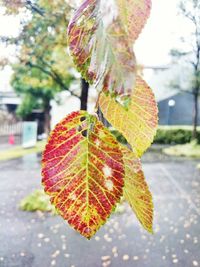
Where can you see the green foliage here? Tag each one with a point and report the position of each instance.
(44, 67)
(35, 88)
(26, 107)
(37, 200)
(120, 138)
(173, 135)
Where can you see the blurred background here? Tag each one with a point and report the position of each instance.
(39, 86)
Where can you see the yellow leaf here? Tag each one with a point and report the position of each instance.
(136, 190)
(138, 123)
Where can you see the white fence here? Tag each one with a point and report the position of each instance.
(8, 129)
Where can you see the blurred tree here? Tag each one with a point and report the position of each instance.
(13, 7)
(190, 54)
(44, 67)
(37, 90)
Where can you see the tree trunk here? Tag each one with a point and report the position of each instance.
(47, 117)
(84, 94)
(195, 115)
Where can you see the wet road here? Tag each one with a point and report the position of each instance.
(42, 240)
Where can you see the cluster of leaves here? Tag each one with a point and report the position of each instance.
(86, 170)
(175, 135)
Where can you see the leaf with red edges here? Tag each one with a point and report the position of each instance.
(83, 172)
(134, 14)
(136, 190)
(100, 48)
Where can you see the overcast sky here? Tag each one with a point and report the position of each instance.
(152, 48)
(162, 33)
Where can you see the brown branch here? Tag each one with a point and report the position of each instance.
(54, 76)
(34, 8)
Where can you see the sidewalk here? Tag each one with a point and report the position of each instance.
(12, 152)
(4, 142)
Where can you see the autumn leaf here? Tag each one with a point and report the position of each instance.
(134, 14)
(136, 190)
(100, 48)
(138, 123)
(83, 172)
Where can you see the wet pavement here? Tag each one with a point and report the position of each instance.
(43, 240)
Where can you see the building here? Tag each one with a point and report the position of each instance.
(175, 106)
(177, 109)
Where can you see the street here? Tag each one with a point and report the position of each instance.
(43, 240)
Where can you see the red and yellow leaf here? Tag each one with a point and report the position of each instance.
(134, 14)
(83, 172)
(100, 48)
(136, 190)
(138, 123)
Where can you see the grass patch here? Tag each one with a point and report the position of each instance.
(187, 150)
(19, 151)
(174, 135)
(37, 200)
